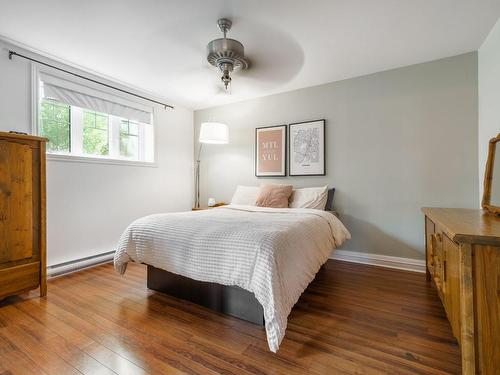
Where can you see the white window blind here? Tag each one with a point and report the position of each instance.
(86, 97)
(83, 122)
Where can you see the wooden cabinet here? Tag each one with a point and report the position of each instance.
(463, 261)
(22, 214)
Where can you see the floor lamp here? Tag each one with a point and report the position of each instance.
(213, 133)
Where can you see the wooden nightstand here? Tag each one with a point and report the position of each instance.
(207, 208)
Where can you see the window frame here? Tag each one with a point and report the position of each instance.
(92, 159)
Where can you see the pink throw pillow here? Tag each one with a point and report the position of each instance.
(274, 196)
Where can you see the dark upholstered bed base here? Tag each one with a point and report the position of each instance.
(230, 300)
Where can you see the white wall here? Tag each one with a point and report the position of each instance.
(396, 141)
(489, 96)
(89, 205)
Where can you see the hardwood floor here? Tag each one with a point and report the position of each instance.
(353, 319)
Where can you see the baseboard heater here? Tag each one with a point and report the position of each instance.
(79, 264)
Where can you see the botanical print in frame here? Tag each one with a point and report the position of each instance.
(270, 151)
(307, 148)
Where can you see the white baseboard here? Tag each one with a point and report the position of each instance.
(406, 264)
(399, 263)
(79, 264)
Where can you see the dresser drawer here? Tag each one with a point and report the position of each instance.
(435, 255)
(439, 262)
(430, 229)
(20, 278)
(443, 262)
(451, 283)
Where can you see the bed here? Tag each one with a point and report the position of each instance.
(247, 261)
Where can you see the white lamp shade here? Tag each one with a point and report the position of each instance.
(214, 132)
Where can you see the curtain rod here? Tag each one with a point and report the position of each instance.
(13, 53)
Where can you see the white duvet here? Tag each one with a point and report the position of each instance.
(273, 253)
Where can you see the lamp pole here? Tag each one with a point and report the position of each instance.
(197, 178)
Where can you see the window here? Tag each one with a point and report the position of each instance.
(55, 125)
(81, 124)
(129, 139)
(95, 133)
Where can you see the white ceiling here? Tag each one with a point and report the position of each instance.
(159, 45)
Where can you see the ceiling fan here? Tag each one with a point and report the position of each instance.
(228, 55)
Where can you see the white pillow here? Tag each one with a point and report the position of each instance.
(315, 197)
(245, 195)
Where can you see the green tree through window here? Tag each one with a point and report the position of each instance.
(95, 133)
(56, 125)
(79, 132)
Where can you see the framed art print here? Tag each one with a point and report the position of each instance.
(307, 148)
(270, 151)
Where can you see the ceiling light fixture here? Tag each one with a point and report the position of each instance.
(226, 54)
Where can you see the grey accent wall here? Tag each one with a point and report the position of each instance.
(396, 141)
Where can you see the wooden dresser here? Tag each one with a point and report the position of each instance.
(463, 261)
(22, 214)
